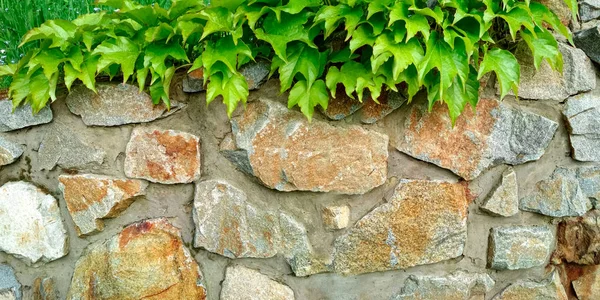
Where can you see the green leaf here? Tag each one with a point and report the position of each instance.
(159, 90)
(58, 31)
(120, 51)
(231, 86)
(220, 19)
(517, 17)
(225, 51)
(302, 60)
(542, 14)
(506, 67)
(544, 46)
(457, 98)
(307, 97)
(86, 72)
(404, 54)
(157, 56)
(354, 76)
(332, 16)
(573, 5)
(9, 69)
(280, 34)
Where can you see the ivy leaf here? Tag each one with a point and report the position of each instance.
(19, 88)
(544, 46)
(231, 86)
(120, 51)
(353, 75)
(506, 67)
(280, 34)
(307, 97)
(411, 77)
(39, 87)
(362, 36)
(220, 19)
(159, 90)
(542, 14)
(9, 69)
(517, 17)
(86, 72)
(404, 54)
(225, 51)
(457, 98)
(332, 17)
(573, 5)
(48, 60)
(156, 56)
(303, 60)
(58, 31)
(180, 7)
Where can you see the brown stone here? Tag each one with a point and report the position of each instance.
(560, 8)
(163, 156)
(372, 111)
(424, 222)
(341, 106)
(147, 260)
(549, 288)
(44, 289)
(91, 198)
(287, 152)
(579, 240)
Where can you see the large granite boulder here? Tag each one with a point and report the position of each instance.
(496, 133)
(147, 260)
(286, 152)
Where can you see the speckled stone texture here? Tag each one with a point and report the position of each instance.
(503, 200)
(335, 217)
(163, 156)
(582, 113)
(32, 227)
(589, 10)
(496, 133)
(147, 260)
(22, 117)
(549, 288)
(389, 101)
(341, 106)
(246, 284)
(64, 148)
(424, 222)
(459, 285)
(514, 247)
(10, 288)
(115, 104)
(578, 240)
(91, 198)
(286, 152)
(9, 151)
(588, 40)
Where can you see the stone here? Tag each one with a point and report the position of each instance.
(560, 8)
(44, 289)
(578, 75)
(163, 156)
(578, 240)
(256, 73)
(589, 10)
(389, 101)
(587, 287)
(114, 105)
(341, 106)
(91, 198)
(582, 113)
(517, 247)
(31, 227)
(22, 117)
(336, 217)
(10, 288)
(549, 288)
(424, 222)
(589, 182)
(194, 81)
(588, 40)
(459, 285)
(242, 283)
(496, 133)
(285, 151)
(558, 196)
(62, 147)
(9, 151)
(147, 260)
(230, 225)
(504, 199)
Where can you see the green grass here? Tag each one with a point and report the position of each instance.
(19, 16)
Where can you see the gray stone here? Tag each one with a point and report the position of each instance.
(589, 182)
(256, 73)
(285, 151)
(32, 228)
(504, 199)
(230, 225)
(22, 117)
(9, 151)
(192, 84)
(115, 104)
(424, 222)
(549, 288)
(519, 247)
(588, 40)
(558, 196)
(589, 10)
(459, 285)
(62, 147)
(495, 133)
(547, 84)
(246, 284)
(582, 113)
(10, 288)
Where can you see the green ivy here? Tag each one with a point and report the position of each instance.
(315, 47)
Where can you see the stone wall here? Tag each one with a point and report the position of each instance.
(109, 197)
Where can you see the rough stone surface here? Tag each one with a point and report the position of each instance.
(44, 289)
(22, 117)
(589, 10)
(256, 73)
(558, 196)
(496, 133)
(91, 198)
(459, 285)
(588, 40)
(246, 284)
(194, 81)
(519, 247)
(115, 104)
(62, 147)
(341, 106)
(230, 225)
(548, 289)
(163, 156)
(587, 287)
(504, 199)
(31, 227)
(336, 217)
(582, 113)
(10, 288)
(9, 151)
(589, 182)
(147, 260)
(424, 222)
(546, 84)
(389, 101)
(578, 240)
(286, 152)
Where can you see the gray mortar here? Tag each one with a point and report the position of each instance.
(211, 125)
